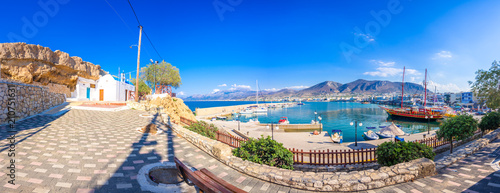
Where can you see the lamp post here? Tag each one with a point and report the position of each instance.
(155, 63)
(355, 123)
(272, 130)
(238, 116)
(315, 116)
(321, 126)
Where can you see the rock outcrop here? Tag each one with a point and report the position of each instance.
(173, 107)
(34, 63)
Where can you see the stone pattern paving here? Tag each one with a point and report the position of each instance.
(97, 151)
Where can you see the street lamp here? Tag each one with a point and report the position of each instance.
(355, 123)
(272, 130)
(315, 116)
(428, 122)
(155, 63)
(321, 127)
(238, 117)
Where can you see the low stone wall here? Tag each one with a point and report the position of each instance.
(317, 181)
(467, 150)
(29, 100)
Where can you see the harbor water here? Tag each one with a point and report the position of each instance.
(334, 115)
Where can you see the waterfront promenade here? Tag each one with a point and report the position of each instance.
(100, 151)
(306, 140)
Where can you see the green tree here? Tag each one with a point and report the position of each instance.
(161, 74)
(143, 87)
(486, 87)
(459, 127)
(490, 121)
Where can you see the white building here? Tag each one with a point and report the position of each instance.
(106, 88)
(85, 89)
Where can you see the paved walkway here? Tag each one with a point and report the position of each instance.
(100, 151)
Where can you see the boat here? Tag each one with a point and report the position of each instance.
(370, 127)
(336, 136)
(390, 131)
(382, 126)
(246, 111)
(258, 109)
(370, 135)
(300, 102)
(283, 120)
(418, 113)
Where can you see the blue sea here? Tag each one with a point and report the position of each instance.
(335, 115)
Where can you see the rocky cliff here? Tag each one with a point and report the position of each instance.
(34, 63)
(173, 107)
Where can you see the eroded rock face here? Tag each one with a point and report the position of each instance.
(34, 63)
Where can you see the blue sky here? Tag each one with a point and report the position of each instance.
(281, 43)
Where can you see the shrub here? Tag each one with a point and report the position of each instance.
(392, 153)
(203, 128)
(459, 128)
(265, 151)
(490, 121)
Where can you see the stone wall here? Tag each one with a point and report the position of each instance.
(29, 100)
(56, 88)
(317, 181)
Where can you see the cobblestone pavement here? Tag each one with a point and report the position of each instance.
(99, 151)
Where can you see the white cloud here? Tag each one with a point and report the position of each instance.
(450, 87)
(222, 85)
(297, 87)
(271, 89)
(385, 69)
(443, 55)
(382, 63)
(180, 93)
(389, 72)
(215, 90)
(235, 86)
(367, 37)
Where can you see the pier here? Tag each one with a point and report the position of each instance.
(217, 111)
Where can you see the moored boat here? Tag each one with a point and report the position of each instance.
(283, 120)
(370, 135)
(336, 136)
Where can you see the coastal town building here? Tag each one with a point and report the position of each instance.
(84, 90)
(106, 88)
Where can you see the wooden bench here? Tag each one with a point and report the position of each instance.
(205, 180)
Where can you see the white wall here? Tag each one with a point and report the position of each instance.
(113, 90)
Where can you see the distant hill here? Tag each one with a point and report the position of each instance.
(324, 88)
(359, 86)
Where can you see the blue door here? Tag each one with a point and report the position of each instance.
(88, 93)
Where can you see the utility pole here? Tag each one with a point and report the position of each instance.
(138, 64)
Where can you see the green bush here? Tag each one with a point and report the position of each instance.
(203, 128)
(265, 151)
(392, 153)
(490, 121)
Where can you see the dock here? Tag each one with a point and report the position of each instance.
(217, 111)
(297, 127)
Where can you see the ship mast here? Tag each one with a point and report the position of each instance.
(425, 84)
(257, 95)
(403, 87)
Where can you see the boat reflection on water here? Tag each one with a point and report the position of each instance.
(414, 126)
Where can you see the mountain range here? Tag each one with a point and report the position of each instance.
(322, 89)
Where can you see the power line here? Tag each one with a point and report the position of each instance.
(137, 18)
